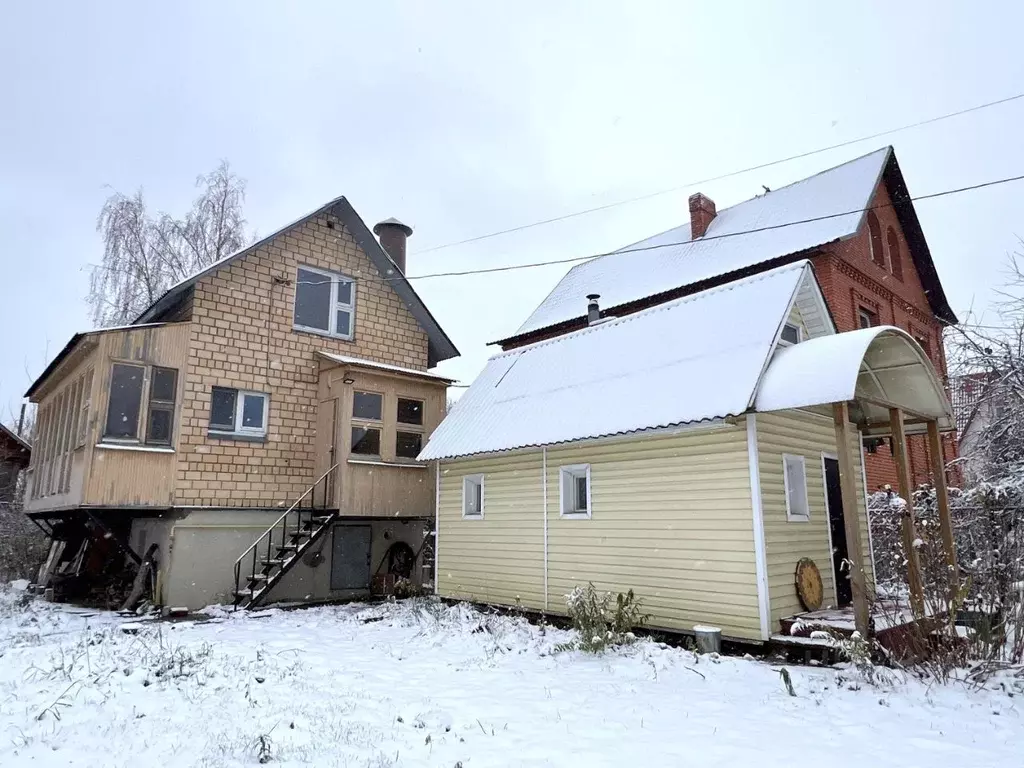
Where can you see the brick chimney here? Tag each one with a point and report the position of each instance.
(392, 235)
(702, 211)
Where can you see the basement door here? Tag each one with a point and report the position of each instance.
(837, 527)
(350, 557)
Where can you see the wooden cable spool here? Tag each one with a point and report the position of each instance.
(808, 584)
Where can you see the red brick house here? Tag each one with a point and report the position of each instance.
(855, 222)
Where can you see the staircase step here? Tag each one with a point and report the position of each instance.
(287, 547)
(243, 593)
(259, 577)
(274, 561)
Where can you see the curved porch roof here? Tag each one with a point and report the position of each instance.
(873, 368)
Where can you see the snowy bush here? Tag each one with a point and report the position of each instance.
(598, 623)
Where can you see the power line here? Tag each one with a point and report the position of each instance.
(706, 238)
(728, 175)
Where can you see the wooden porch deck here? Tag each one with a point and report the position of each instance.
(891, 623)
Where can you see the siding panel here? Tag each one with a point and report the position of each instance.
(809, 435)
(671, 519)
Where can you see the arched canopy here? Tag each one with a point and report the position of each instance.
(873, 368)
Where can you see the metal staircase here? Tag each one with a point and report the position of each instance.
(284, 543)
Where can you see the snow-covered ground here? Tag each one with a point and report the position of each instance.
(420, 684)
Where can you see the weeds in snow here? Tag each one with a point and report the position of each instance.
(598, 625)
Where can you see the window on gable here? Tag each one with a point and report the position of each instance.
(791, 334)
(795, 480)
(866, 318)
(324, 302)
(125, 403)
(895, 258)
(875, 236)
(238, 412)
(473, 496)
(575, 490)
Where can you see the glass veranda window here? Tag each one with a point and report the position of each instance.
(324, 302)
(125, 403)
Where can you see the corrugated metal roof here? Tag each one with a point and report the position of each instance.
(744, 235)
(689, 360)
(348, 360)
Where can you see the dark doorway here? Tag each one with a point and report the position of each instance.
(837, 527)
(350, 557)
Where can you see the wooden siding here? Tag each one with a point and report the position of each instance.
(671, 519)
(58, 467)
(73, 456)
(135, 477)
(383, 485)
(809, 435)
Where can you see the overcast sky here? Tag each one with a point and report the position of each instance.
(461, 120)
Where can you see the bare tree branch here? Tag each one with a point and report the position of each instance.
(145, 254)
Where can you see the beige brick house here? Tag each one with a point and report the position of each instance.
(270, 407)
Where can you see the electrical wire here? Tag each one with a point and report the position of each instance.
(730, 174)
(706, 238)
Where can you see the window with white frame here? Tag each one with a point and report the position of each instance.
(324, 302)
(791, 334)
(575, 490)
(794, 470)
(473, 496)
(238, 412)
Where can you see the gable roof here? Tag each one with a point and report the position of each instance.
(21, 444)
(690, 360)
(830, 206)
(440, 346)
(70, 346)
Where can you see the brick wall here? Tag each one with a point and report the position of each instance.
(242, 337)
(851, 280)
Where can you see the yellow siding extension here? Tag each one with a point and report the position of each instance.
(810, 435)
(671, 519)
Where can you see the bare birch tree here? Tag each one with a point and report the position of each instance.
(145, 254)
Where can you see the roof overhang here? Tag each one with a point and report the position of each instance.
(330, 360)
(875, 369)
(440, 346)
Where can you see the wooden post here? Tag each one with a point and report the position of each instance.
(942, 500)
(899, 453)
(851, 516)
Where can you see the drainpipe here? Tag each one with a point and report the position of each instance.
(544, 488)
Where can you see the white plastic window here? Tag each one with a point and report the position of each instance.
(574, 491)
(324, 302)
(791, 334)
(473, 496)
(794, 470)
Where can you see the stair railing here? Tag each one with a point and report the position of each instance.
(281, 526)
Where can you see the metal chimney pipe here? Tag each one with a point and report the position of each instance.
(593, 308)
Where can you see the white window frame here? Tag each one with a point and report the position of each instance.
(567, 476)
(477, 479)
(799, 334)
(791, 515)
(240, 395)
(332, 318)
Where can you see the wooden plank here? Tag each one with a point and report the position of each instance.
(851, 516)
(899, 452)
(942, 499)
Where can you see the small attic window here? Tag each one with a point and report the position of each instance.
(791, 334)
(875, 233)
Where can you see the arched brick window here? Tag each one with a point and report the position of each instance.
(875, 231)
(895, 259)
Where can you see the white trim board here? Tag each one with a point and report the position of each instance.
(757, 511)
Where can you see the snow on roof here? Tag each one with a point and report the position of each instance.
(883, 364)
(347, 360)
(689, 360)
(672, 259)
